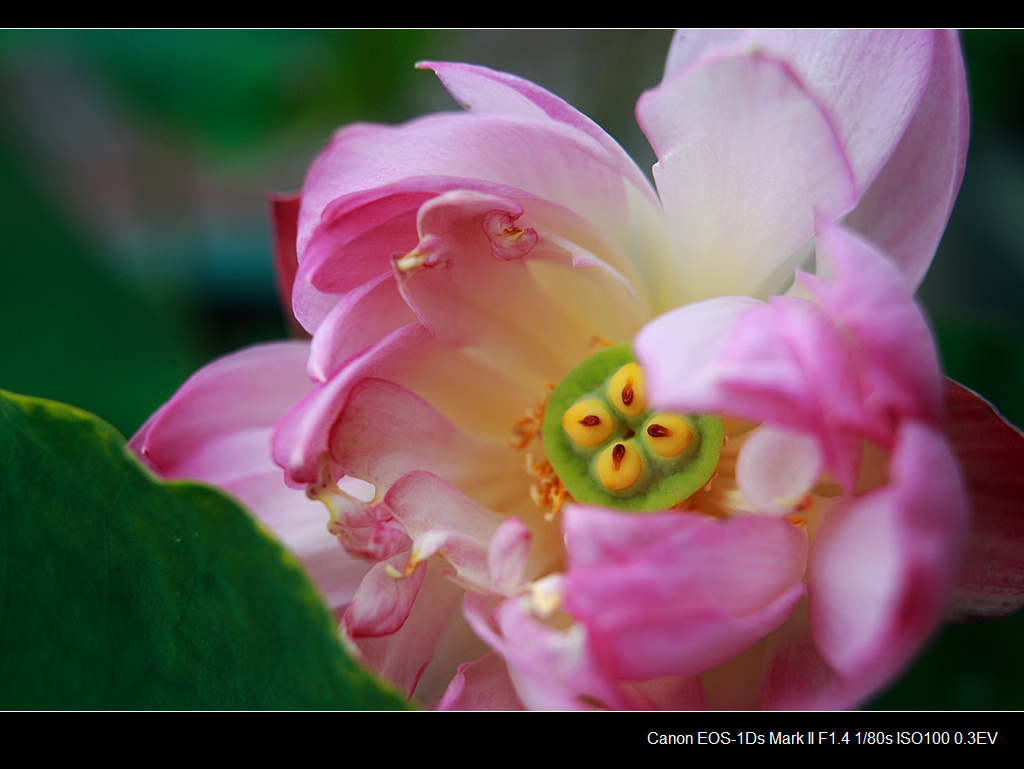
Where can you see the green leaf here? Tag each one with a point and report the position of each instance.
(120, 591)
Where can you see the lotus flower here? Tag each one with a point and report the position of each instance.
(730, 481)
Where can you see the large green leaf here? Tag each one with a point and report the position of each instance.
(118, 590)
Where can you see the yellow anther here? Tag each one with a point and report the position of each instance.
(411, 261)
(668, 435)
(587, 423)
(619, 466)
(627, 391)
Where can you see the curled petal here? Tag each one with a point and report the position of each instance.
(542, 157)
(358, 234)
(442, 520)
(477, 279)
(423, 654)
(853, 363)
(384, 599)
(785, 362)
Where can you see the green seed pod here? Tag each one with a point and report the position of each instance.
(639, 460)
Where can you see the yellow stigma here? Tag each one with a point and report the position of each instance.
(668, 435)
(626, 390)
(619, 466)
(587, 423)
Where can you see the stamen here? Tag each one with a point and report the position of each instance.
(548, 490)
(531, 426)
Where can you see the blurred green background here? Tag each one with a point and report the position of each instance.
(135, 245)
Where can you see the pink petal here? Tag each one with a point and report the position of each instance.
(483, 90)
(245, 390)
(386, 431)
(473, 282)
(486, 401)
(217, 429)
(422, 656)
(542, 158)
(776, 468)
(853, 364)
(368, 532)
(300, 437)
(680, 352)
(442, 521)
(695, 597)
(382, 603)
(990, 452)
(794, 675)
(360, 318)
(906, 209)
(359, 233)
(482, 684)
(883, 563)
(550, 669)
(870, 300)
(284, 218)
(869, 81)
(786, 362)
(745, 158)
(507, 555)
(688, 45)
(789, 363)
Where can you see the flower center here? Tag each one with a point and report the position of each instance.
(607, 447)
